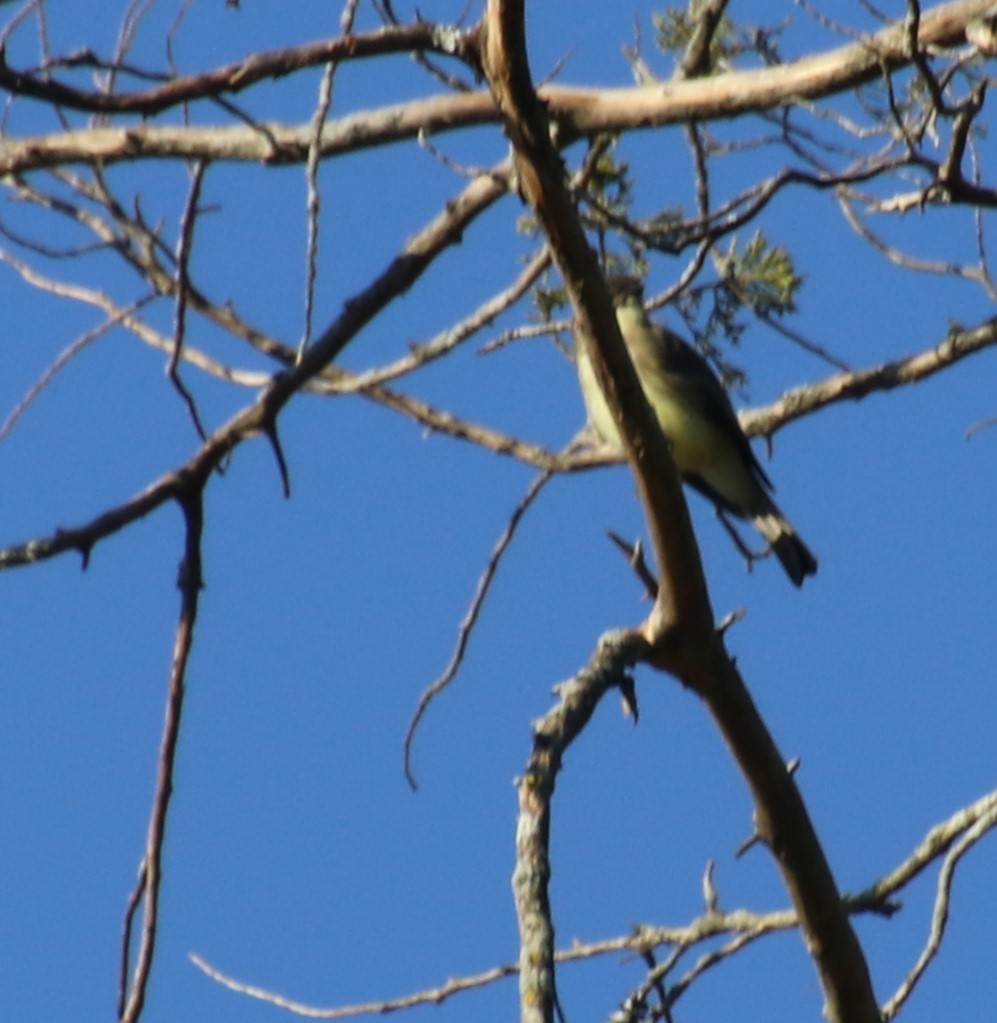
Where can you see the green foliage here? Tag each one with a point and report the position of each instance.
(755, 277)
(605, 200)
(674, 29)
(604, 206)
(759, 276)
(548, 302)
(611, 183)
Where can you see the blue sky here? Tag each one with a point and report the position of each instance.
(297, 858)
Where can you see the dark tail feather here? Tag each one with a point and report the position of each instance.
(794, 555)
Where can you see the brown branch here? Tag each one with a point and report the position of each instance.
(764, 421)
(577, 111)
(141, 247)
(233, 78)
(423, 354)
(783, 824)
(332, 381)
(150, 874)
(184, 244)
(552, 735)
(799, 339)
(470, 619)
(858, 384)
(125, 315)
(542, 184)
(634, 553)
(541, 179)
(679, 633)
(963, 830)
(446, 229)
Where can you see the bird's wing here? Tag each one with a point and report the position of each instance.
(693, 375)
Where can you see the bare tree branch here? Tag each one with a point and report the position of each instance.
(182, 291)
(743, 927)
(470, 618)
(679, 632)
(615, 653)
(233, 78)
(857, 384)
(260, 416)
(936, 103)
(150, 874)
(578, 112)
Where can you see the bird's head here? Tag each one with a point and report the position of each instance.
(625, 290)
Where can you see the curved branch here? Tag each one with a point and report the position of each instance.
(578, 698)
(541, 176)
(679, 633)
(469, 620)
(233, 78)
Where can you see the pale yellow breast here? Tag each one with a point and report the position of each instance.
(595, 403)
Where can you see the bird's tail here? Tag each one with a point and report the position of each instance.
(796, 558)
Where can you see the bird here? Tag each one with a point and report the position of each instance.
(711, 451)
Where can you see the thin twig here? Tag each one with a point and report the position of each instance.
(941, 268)
(634, 553)
(940, 912)
(446, 341)
(235, 77)
(983, 424)
(314, 200)
(470, 618)
(150, 874)
(822, 353)
(184, 245)
(131, 909)
(445, 229)
(436, 996)
(741, 926)
(63, 359)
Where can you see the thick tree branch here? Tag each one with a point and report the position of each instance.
(679, 632)
(541, 176)
(577, 111)
(578, 698)
(783, 824)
